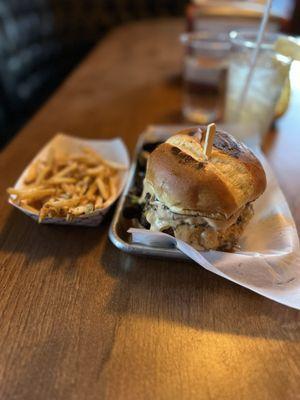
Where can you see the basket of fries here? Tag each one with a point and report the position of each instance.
(72, 181)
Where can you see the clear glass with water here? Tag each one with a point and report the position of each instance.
(269, 77)
(204, 68)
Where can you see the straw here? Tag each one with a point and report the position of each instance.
(255, 53)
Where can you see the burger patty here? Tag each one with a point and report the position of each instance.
(201, 232)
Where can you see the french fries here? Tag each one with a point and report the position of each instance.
(68, 186)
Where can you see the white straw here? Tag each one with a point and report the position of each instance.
(255, 52)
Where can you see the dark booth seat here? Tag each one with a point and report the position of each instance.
(41, 40)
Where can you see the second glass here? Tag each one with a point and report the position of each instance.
(269, 77)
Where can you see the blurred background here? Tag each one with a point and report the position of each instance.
(41, 41)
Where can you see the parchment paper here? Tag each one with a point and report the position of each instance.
(268, 261)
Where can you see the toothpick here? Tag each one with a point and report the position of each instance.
(209, 139)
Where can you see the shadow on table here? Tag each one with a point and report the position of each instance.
(22, 235)
(187, 294)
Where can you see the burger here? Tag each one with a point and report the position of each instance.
(205, 201)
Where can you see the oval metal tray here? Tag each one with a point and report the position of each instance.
(119, 226)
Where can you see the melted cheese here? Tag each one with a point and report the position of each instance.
(163, 218)
(201, 232)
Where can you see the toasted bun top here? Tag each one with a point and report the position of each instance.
(182, 178)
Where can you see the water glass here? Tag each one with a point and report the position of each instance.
(204, 68)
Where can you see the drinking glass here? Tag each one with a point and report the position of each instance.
(271, 72)
(204, 68)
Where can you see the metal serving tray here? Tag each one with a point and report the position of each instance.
(118, 229)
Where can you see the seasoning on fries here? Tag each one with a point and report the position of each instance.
(68, 186)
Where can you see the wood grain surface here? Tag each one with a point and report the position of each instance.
(80, 319)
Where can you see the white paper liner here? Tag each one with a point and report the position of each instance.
(112, 150)
(268, 261)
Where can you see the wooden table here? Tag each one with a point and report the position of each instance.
(80, 319)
